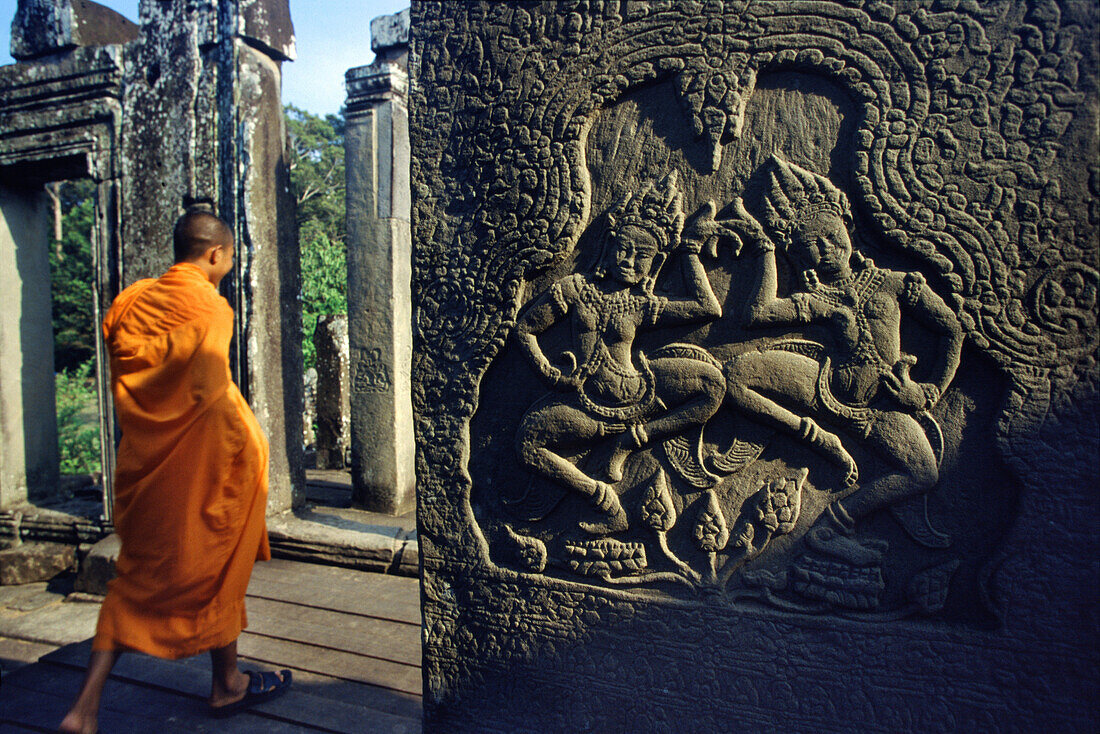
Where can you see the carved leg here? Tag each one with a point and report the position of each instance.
(900, 441)
(691, 390)
(607, 502)
(625, 444)
(794, 377)
(557, 426)
(829, 445)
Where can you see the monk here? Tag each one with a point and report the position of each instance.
(190, 480)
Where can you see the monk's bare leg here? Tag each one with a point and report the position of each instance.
(83, 717)
(227, 684)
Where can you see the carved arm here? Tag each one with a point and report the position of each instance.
(540, 314)
(932, 311)
(701, 302)
(765, 308)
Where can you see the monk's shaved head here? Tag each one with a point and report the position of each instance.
(196, 232)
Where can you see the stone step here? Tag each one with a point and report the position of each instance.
(27, 563)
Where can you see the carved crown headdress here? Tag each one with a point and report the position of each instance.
(657, 208)
(795, 194)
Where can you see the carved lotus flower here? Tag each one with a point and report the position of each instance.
(711, 532)
(531, 552)
(780, 510)
(658, 512)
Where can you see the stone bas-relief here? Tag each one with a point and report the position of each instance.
(698, 519)
(750, 332)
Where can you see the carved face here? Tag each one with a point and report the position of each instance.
(630, 254)
(822, 243)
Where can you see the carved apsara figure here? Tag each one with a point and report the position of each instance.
(861, 384)
(606, 388)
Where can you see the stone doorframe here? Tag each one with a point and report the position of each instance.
(61, 121)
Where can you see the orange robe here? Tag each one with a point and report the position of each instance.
(191, 474)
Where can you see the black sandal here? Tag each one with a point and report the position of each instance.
(262, 687)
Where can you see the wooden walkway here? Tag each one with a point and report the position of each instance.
(352, 639)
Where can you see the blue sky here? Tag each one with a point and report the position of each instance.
(332, 36)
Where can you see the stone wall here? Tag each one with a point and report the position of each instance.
(754, 364)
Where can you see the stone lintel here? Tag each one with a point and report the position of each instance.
(43, 27)
(266, 25)
(61, 117)
(262, 24)
(390, 31)
(86, 73)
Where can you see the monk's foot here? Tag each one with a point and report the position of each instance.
(78, 722)
(625, 444)
(607, 502)
(225, 692)
(261, 688)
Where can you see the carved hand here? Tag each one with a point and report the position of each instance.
(744, 226)
(702, 231)
(910, 394)
(563, 380)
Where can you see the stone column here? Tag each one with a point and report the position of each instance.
(203, 119)
(379, 273)
(28, 420)
(332, 399)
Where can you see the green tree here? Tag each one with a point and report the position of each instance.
(72, 276)
(324, 282)
(77, 420)
(317, 181)
(317, 169)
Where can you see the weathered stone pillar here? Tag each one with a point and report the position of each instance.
(203, 120)
(28, 421)
(309, 407)
(332, 400)
(379, 272)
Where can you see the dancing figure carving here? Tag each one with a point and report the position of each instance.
(861, 384)
(606, 389)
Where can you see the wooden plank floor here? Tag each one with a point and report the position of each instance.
(352, 639)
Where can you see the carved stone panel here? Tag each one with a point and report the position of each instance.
(755, 368)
